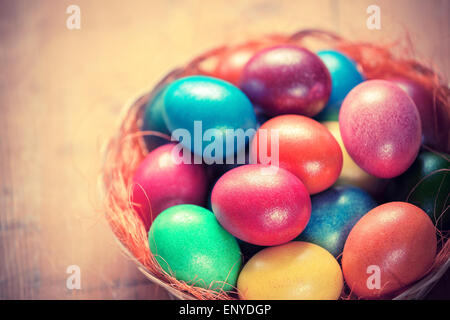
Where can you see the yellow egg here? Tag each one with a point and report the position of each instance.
(351, 173)
(293, 271)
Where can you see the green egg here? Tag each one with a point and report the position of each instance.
(192, 246)
(425, 184)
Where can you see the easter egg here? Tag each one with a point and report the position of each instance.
(161, 181)
(344, 77)
(389, 248)
(351, 173)
(380, 127)
(334, 212)
(434, 118)
(204, 109)
(230, 64)
(188, 243)
(261, 205)
(153, 120)
(287, 79)
(261, 116)
(425, 184)
(292, 271)
(303, 146)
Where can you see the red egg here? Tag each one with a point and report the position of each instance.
(261, 205)
(305, 147)
(287, 79)
(434, 118)
(160, 182)
(390, 247)
(380, 128)
(230, 64)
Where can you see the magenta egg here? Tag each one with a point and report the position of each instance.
(287, 79)
(261, 205)
(435, 120)
(161, 181)
(380, 128)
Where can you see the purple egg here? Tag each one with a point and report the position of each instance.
(161, 181)
(380, 128)
(287, 79)
(434, 121)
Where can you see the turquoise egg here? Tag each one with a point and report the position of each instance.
(153, 120)
(344, 77)
(334, 213)
(189, 243)
(198, 104)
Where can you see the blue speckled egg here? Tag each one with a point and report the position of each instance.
(217, 104)
(153, 120)
(334, 213)
(344, 77)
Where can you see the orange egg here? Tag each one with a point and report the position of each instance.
(293, 271)
(351, 173)
(389, 248)
(231, 63)
(305, 147)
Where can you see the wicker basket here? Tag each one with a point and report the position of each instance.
(126, 149)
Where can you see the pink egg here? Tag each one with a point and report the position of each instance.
(160, 182)
(261, 206)
(380, 128)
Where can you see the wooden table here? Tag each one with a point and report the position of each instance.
(61, 92)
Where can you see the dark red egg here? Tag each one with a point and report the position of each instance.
(287, 79)
(230, 64)
(380, 127)
(435, 120)
(160, 182)
(261, 205)
(389, 248)
(305, 147)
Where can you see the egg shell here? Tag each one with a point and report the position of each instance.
(216, 103)
(396, 237)
(189, 244)
(425, 184)
(293, 271)
(261, 206)
(230, 64)
(380, 127)
(160, 182)
(434, 118)
(351, 173)
(153, 120)
(334, 213)
(344, 77)
(305, 147)
(287, 79)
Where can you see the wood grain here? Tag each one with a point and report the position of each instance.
(61, 92)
